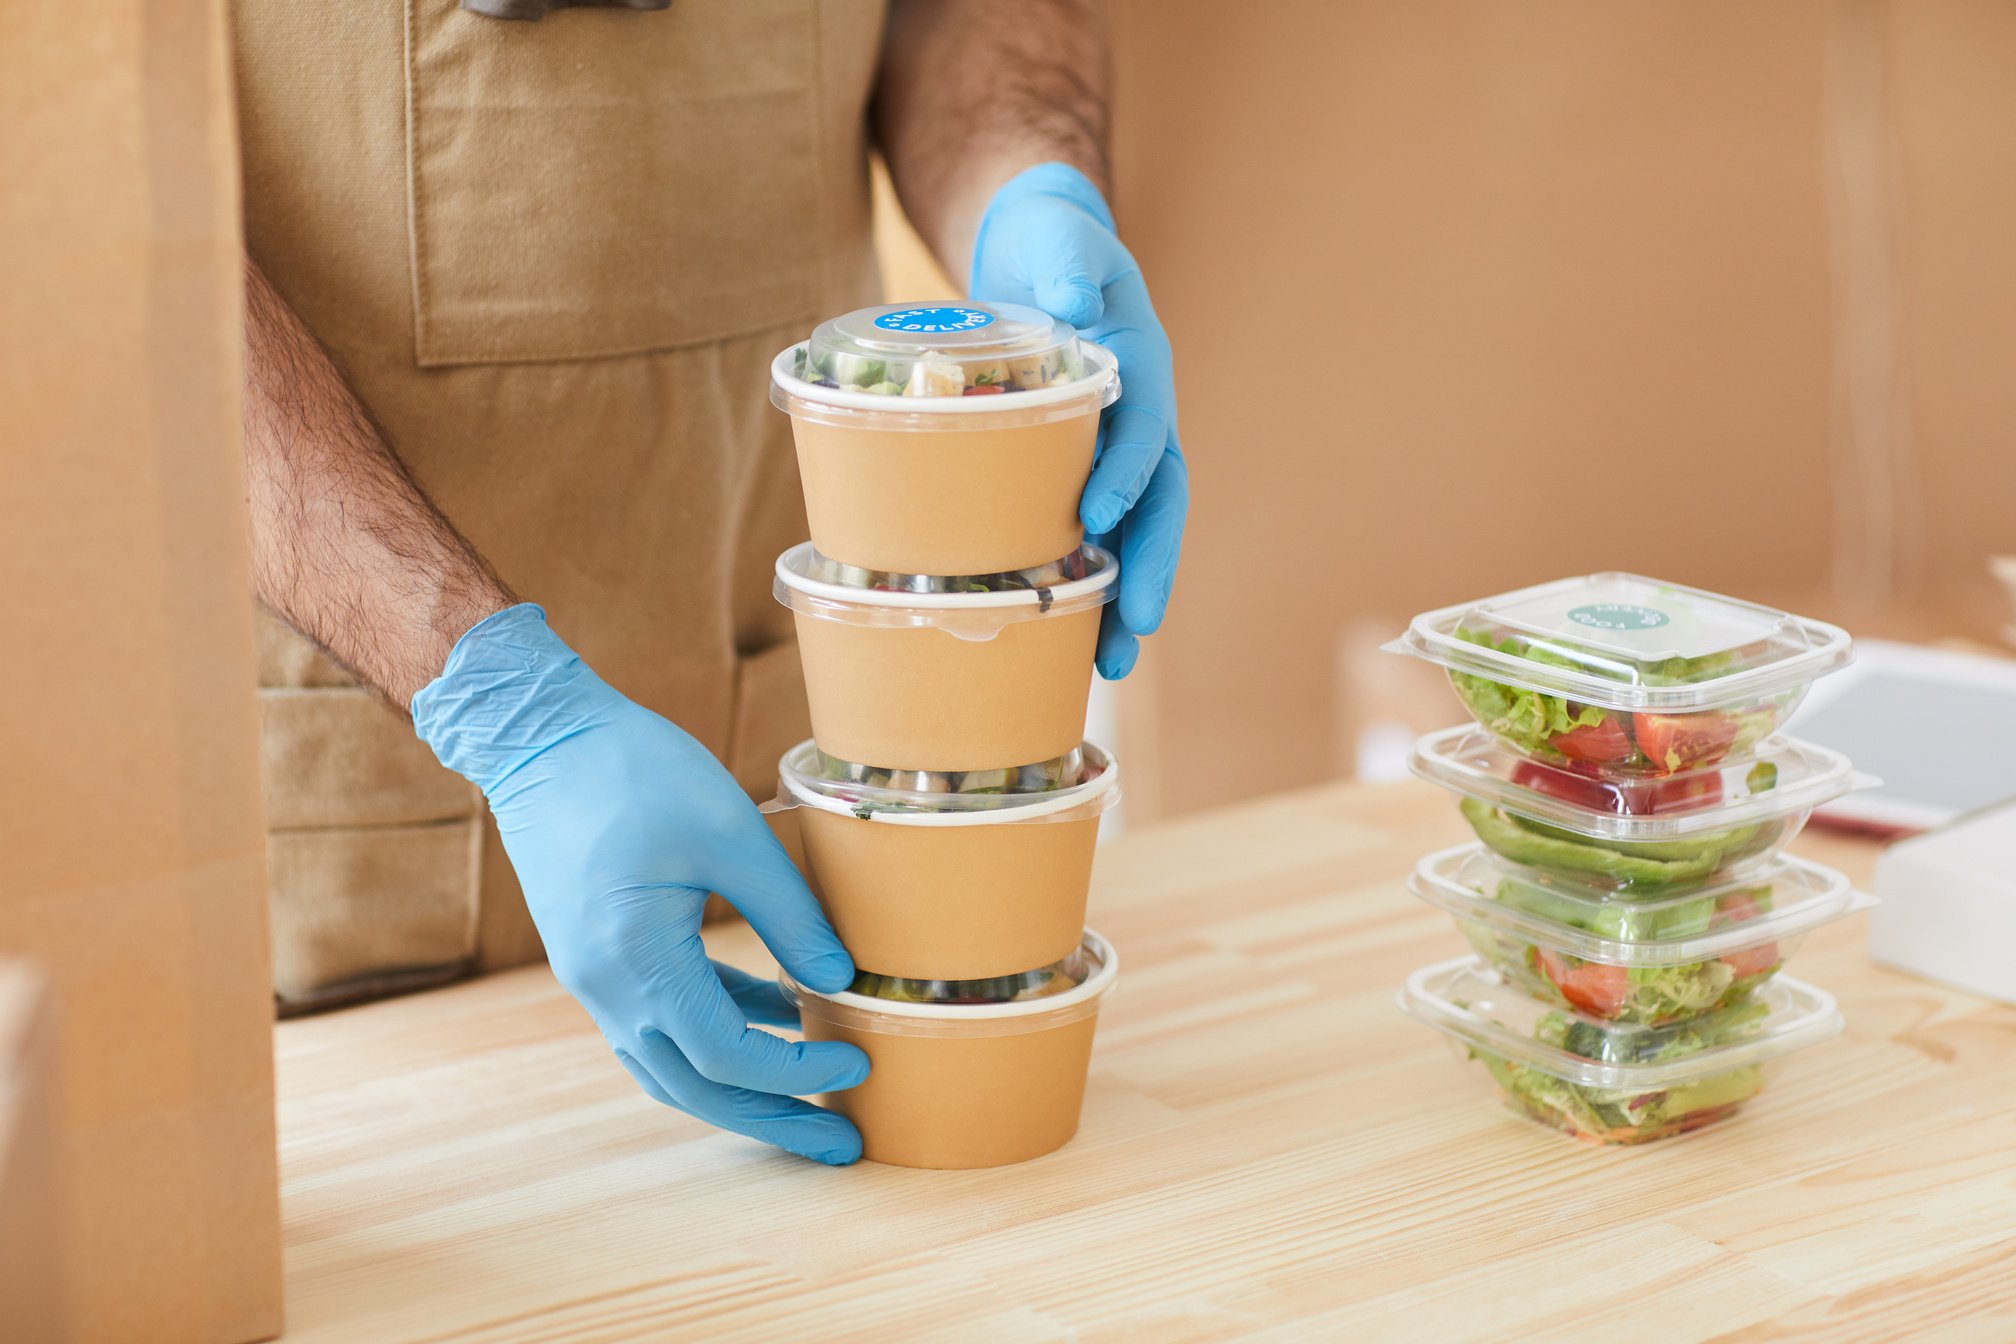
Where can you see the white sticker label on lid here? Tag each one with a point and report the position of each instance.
(1618, 616)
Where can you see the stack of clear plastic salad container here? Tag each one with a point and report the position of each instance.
(946, 806)
(1626, 895)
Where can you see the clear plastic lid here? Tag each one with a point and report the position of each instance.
(1479, 1008)
(1083, 782)
(1621, 641)
(1068, 991)
(1783, 777)
(973, 606)
(941, 350)
(1781, 898)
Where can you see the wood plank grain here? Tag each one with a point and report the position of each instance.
(1269, 1151)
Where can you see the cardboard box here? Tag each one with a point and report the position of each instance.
(131, 862)
(31, 1245)
(1948, 905)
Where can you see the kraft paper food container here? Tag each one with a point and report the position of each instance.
(944, 439)
(1645, 836)
(1610, 1082)
(991, 675)
(920, 879)
(1651, 961)
(1625, 675)
(967, 1084)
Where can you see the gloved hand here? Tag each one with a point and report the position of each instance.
(618, 825)
(1047, 240)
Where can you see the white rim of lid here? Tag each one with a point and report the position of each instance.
(789, 567)
(1100, 787)
(1102, 383)
(1095, 985)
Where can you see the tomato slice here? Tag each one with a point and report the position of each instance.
(984, 390)
(1681, 741)
(1596, 989)
(1740, 908)
(1752, 960)
(1622, 797)
(1603, 742)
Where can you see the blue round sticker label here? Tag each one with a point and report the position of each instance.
(935, 321)
(1618, 616)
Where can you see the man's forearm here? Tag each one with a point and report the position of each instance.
(344, 545)
(972, 92)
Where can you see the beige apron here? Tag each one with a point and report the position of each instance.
(554, 259)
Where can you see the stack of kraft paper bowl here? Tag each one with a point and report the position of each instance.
(1626, 895)
(947, 805)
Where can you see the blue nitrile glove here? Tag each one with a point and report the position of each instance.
(618, 825)
(1047, 240)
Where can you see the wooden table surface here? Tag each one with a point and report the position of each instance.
(1270, 1151)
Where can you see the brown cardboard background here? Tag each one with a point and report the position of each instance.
(1467, 295)
(130, 823)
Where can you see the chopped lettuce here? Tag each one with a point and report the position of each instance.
(1664, 993)
(1532, 720)
(1648, 994)
(1605, 1115)
(1528, 719)
(1629, 1115)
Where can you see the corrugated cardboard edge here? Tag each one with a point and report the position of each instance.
(142, 896)
(31, 1240)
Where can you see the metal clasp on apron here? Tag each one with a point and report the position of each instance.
(534, 10)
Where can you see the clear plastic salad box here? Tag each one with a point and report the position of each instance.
(1643, 835)
(1649, 962)
(1612, 1082)
(1626, 675)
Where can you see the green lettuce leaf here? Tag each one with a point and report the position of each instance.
(1526, 718)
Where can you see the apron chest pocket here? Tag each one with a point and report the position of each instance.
(607, 182)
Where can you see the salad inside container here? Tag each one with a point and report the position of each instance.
(968, 349)
(970, 606)
(1046, 982)
(1624, 673)
(1056, 995)
(1647, 835)
(1082, 782)
(1610, 1082)
(1648, 961)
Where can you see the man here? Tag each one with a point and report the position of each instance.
(549, 262)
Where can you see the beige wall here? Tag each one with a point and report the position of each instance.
(1466, 295)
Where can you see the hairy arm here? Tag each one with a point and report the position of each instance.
(974, 91)
(345, 546)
